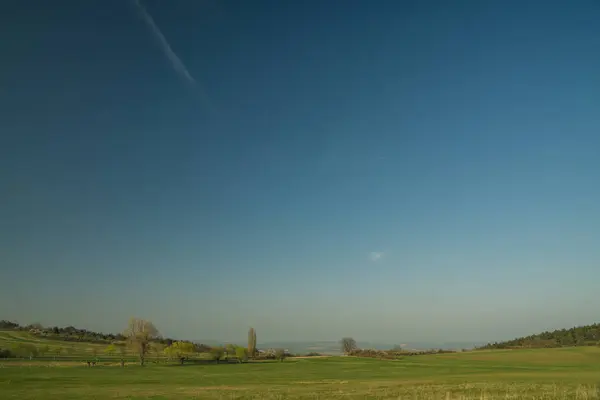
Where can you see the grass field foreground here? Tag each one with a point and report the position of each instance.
(565, 373)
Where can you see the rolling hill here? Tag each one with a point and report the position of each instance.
(586, 335)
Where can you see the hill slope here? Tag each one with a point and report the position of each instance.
(48, 347)
(587, 335)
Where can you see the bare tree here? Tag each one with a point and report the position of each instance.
(251, 342)
(348, 345)
(140, 333)
(280, 354)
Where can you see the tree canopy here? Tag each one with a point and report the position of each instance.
(140, 333)
(587, 335)
(348, 345)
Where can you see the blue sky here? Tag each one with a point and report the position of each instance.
(389, 170)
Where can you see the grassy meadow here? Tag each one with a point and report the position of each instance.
(562, 373)
(9, 338)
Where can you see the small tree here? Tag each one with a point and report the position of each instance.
(140, 333)
(70, 350)
(280, 354)
(251, 342)
(45, 349)
(110, 350)
(157, 349)
(242, 354)
(217, 353)
(169, 351)
(26, 350)
(397, 348)
(229, 350)
(348, 345)
(33, 351)
(57, 351)
(122, 350)
(181, 350)
(94, 351)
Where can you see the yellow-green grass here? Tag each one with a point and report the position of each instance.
(70, 350)
(568, 373)
(9, 338)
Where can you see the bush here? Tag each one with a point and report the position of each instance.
(217, 353)
(241, 353)
(280, 354)
(4, 324)
(371, 353)
(264, 356)
(394, 354)
(5, 353)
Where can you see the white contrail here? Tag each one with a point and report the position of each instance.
(166, 47)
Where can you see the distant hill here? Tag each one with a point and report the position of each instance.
(587, 335)
(70, 333)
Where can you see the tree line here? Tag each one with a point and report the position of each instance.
(587, 335)
(141, 334)
(141, 338)
(350, 348)
(71, 334)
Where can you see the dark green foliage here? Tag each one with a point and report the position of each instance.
(72, 334)
(588, 335)
(394, 353)
(24, 349)
(5, 353)
(4, 324)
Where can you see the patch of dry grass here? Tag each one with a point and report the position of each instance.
(470, 391)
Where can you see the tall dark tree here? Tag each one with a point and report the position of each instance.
(251, 342)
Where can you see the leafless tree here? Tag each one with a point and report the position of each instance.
(348, 345)
(280, 354)
(140, 333)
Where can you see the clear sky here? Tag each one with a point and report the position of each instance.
(387, 170)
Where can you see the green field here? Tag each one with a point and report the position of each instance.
(564, 373)
(9, 337)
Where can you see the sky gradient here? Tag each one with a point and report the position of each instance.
(389, 170)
